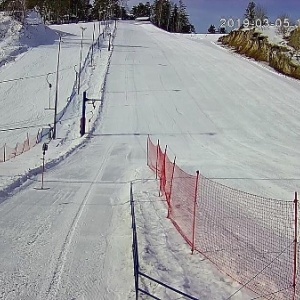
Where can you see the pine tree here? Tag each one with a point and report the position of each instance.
(261, 15)
(174, 19)
(222, 30)
(171, 17)
(141, 10)
(250, 13)
(212, 29)
(184, 25)
(103, 9)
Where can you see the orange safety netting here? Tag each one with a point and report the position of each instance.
(248, 237)
(7, 153)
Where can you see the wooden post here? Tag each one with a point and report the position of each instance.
(194, 216)
(295, 245)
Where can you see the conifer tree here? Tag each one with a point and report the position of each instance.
(250, 13)
(212, 29)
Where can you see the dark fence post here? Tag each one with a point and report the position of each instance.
(109, 41)
(295, 245)
(134, 245)
(4, 152)
(82, 120)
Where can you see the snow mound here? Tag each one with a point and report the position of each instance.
(36, 35)
(16, 38)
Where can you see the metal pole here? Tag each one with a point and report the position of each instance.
(295, 245)
(109, 35)
(94, 29)
(194, 217)
(56, 89)
(43, 170)
(99, 25)
(80, 59)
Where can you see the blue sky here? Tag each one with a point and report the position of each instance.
(205, 12)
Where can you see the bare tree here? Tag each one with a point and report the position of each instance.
(283, 23)
(17, 8)
(261, 15)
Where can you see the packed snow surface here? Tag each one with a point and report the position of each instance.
(225, 115)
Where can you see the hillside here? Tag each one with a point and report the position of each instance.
(280, 51)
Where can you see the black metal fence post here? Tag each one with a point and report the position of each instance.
(134, 245)
(82, 120)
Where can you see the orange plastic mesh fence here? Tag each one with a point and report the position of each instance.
(26, 145)
(151, 155)
(250, 238)
(246, 235)
(7, 153)
(32, 141)
(10, 152)
(19, 148)
(182, 202)
(168, 176)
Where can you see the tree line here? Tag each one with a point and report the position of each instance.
(59, 11)
(163, 13)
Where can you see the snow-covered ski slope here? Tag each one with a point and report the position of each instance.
(218, 112)
(25, 93)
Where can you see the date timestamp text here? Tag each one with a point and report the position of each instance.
(237, 23)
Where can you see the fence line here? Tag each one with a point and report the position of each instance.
(7, 152)
(136, 265)
(252, 239)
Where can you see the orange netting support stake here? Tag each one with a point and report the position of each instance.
(169, 195)
(161, 170)
(163, 173)
(157, 153)
(147, 152)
